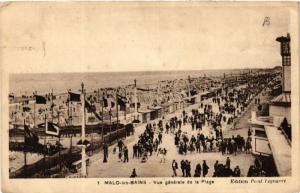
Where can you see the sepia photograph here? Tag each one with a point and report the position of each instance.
(145, 91)
(216, 123)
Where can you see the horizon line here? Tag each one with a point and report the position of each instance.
(163, 70)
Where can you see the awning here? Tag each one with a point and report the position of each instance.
(283, 99)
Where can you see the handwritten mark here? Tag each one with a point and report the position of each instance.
(267, 21)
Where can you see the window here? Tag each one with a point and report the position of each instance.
(287, 60)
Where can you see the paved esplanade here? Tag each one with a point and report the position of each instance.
(153, 167)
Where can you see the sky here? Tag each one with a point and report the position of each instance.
(95, 37)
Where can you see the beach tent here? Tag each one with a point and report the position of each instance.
(165, 108)
(156, 112)
(145, 115)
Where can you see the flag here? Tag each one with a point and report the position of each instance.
(193, 92)
(29, 137)
(40, 99)
(122, 107)
(75, 97)
(52, 129)
(92, 109)
(112, 104)
(122, 102)
(105, 104)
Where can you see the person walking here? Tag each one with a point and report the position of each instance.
(198, 170)
(216, 166)
(205, 168)
(126, 159)
(159, 138)
(105, 152)
(183, 167)
(228, 162)
(188, 168)
(174, 168)
(120, 145)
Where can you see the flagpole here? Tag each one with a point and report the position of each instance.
(59, 158)
(135, 101)
(34, 113)
(15, 125)
(125, 107)
(83, 162)
(189, 79)
(52, 105)
(45, 145)
(71, 113)
(117, 106)
(102, 115)
(25, 156)
(157, 93)
(68, 106)
(110, 115)
(98, 95)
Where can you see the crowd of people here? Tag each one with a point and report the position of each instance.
(222, 111)
(214, 121)
(144, 147)
(201, 130)
(220, 170)
(212, 116)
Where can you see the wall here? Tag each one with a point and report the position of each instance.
(281, 111)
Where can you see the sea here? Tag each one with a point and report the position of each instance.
(60, 82)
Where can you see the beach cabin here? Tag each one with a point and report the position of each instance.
(179, 104)
(145, 115)
(193, 99)
(172, 107)
(176, 105)
(207, 95)
(168, 107)
(197, 98)
(165, 108)
(156, 112)
(186, 102)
